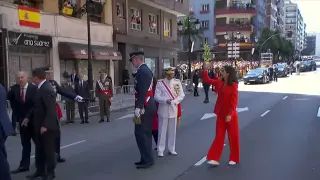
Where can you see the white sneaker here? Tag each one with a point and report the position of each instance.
(173, 153)
(213, 163)
(160, 154)
(232, 163)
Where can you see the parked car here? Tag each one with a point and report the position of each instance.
(308, 66)
(317, 63)
(259, 75)
(283, 69)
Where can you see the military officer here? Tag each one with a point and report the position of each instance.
(104, 93)
(168, 94)
(144, 109)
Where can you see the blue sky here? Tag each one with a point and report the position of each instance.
(310, 10)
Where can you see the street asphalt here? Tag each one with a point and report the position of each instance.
(280, 134)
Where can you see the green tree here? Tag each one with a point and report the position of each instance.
(207, 56)
(277, 44)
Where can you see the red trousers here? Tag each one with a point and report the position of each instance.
(232, 128)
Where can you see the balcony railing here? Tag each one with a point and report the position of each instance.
(235, 10)
(233, 27)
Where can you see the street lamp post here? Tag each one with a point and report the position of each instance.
(90, 74)
(233, 39)
(190, 26)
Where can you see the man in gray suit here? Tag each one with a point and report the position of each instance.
(5, 131)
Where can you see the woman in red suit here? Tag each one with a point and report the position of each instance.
(227, 116)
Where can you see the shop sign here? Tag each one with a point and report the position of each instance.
(30, 40)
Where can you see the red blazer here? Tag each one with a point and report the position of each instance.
(227, 100)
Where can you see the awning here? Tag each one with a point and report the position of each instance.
(71, 51)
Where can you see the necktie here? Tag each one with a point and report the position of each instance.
(22, 94)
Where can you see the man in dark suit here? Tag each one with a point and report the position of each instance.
(74, 77)
(46, 126)
(21, 97)
(144, 109)
(65, 93)
(5, 131)
(83, 90)
(14, 118)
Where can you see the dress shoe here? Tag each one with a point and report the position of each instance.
(213, 163)
(101, 121)
(48, 177)
(173, 153)
(145, 165)
(19, 170)
(61, 160)
(139, 163)
(34, 176)
(87, 122)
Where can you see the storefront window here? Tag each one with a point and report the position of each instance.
(166, 63)
(151, 63)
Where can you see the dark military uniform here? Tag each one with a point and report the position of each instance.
(144, 100)
(104, 93)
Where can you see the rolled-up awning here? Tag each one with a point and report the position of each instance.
(71, 51)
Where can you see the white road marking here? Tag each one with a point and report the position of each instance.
(201, 161)
(242, 109)
(301, 99)
(66, 146)
(284, 98)
(208, 116)
(211, 115)
(318, 115)
(265, 113)
(126, 116)
(72, 144)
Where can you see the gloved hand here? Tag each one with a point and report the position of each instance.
(78, 98)
(137, 112)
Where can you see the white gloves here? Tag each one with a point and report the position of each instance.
(138, 112)
(78, 99)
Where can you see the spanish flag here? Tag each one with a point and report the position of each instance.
(29, 16)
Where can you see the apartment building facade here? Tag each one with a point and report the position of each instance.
(203, 10)
(243, 19)
(295, 28)
(149, 26)
(275, 15)
(53, 33)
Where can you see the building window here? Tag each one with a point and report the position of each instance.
(205, 8)
(167, 28)
(136, 21)
(120, 10)
(166, 63)
(151, 63)
(153, 23)
(204, 24)
(69, 7)
(30, 3)
(179, 1)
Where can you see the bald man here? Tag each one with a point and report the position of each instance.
(21, 97)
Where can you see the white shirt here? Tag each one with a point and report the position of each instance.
(41, 83)
(24, 90)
